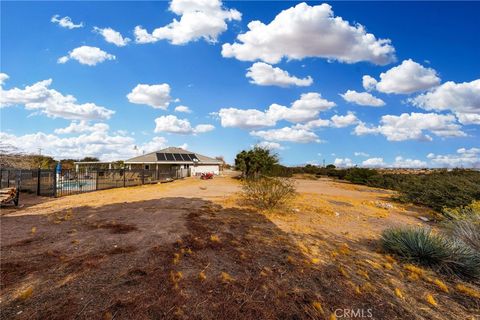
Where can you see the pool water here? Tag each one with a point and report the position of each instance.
(76, 185)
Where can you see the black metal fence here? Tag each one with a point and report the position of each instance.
(40, 182)
(67, 182)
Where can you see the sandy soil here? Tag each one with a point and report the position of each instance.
(189, 249)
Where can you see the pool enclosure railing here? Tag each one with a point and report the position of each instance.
(55, 184)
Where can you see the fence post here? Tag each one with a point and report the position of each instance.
(38, 181)
(18, 181)
(8, 178)
(96, 179)
(143, 176)
(54, 187)
(124, 177)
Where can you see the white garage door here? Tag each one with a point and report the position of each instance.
(199, 169)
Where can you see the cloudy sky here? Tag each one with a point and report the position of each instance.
(363, 83)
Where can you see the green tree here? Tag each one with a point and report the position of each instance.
(43, 162)
(255, 162)
(68, 164)
(90, 159)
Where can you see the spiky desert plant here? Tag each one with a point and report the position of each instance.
(468, 231)
(423, 246)
(464, 260)
(416, 244)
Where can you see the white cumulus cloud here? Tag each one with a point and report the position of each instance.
(368, 82)
(361, 154)
(39, 97)
(245, 118)
(65, 22)
(413, 126)
(269, 145)
(112, 36)
(304, 109)
(408, 77)
(374, 163)
(401, 162)
(469, 158)
(343, 121)
(362, 98)
(198, 19)
(172, 124)
(87, 55)
(264, 74)
(287, 134)
(3, 77)
(155, 144)
(343, 162)
(309, 31)
(82, 126)
(155, 95)
(183, 109)
(313, 124)
(461, 98)
(100, 144)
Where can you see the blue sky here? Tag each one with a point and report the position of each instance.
(423, 111)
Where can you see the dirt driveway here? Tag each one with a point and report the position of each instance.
(187, 249)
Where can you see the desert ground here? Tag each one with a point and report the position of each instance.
(190, 250)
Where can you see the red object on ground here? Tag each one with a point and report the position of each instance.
(206, 176)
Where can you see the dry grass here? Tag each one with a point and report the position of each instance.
(224, 262)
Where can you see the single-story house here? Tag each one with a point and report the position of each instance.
(176, 158)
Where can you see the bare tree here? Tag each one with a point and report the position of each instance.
(13, 157)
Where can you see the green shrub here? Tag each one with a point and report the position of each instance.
(437, 190)
(442, 189)
(268, 192)
(360, 175)
(424, 247)
(472, 211)
(255, 162)
(278, 170)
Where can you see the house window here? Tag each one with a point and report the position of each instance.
(147, 167)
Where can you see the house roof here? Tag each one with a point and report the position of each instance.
(173, 155)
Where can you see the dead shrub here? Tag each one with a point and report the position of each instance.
(268, 192)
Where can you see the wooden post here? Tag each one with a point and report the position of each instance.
(8, 178)
(39, 171)
(124, 173)
(143, 176)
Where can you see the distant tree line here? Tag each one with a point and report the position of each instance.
(438, 190)
(12, 157)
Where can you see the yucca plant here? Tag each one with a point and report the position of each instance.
(463, 261)
(416, 244)
(468, 231)
(423, 246)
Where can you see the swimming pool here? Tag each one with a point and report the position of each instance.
(76, 185)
